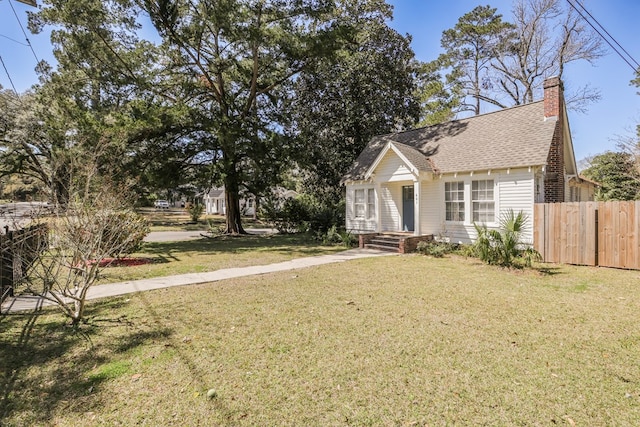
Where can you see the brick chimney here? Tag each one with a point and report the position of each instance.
(553, 109)
(552, 97)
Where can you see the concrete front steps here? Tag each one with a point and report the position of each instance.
(392, 242)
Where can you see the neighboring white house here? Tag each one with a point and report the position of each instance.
(214, 201)
(442, 179)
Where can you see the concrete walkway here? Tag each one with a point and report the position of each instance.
(178, 236)
(24, 303)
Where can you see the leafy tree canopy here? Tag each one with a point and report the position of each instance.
(368, 88)
(617, 175)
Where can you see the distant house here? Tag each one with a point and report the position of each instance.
(214, 201)
(442, 179)
(581, 189)
(215, 204)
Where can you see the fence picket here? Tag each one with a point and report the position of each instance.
(589, 233)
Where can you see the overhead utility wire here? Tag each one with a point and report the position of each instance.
(13, 40)
(607, 32)
(635, 69)
(8, 75)
(24, 33)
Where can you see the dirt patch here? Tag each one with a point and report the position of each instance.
(124, 262)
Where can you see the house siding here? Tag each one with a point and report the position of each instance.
(517, 192)
(390, 200)
(431, 208)
(393, 169)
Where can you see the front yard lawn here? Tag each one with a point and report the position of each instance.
(383, 341)
(209, 254)
(179, 220)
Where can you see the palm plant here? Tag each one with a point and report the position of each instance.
(504, 246)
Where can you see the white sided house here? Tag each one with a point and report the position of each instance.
(440, 180)
(215, 203)
(215, 200)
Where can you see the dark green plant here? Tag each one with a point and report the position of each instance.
(349, 240)
(337, 236)
(436, 249)
(303, 214)
(502, 247)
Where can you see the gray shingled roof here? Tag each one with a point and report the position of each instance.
(510, 138)
(415, 157)
(215, 192)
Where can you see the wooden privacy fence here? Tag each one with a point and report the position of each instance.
(588, 233)
(18, 250)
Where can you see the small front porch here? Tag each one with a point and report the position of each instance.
(402, 243)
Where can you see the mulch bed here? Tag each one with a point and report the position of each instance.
(124, 262)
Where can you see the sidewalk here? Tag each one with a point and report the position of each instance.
(24, 303)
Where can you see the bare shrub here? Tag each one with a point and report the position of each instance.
(82, 239)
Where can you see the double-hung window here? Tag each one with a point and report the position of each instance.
(454, 200)
(364, 203)
(482, 201)
(359, 205)
(371, 203)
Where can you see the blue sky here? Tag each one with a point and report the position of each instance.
(594, 132)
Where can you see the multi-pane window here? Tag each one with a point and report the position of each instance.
(364, 203)
(359, 206)
(454, 200)
(483, 204)
(371, 203)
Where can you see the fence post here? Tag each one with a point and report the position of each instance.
(6, 266)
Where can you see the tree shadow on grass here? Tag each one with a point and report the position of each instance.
(546, 270)
(46, 365)
(279, 243)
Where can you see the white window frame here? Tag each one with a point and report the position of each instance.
(457, 200)
(483, 196)
(364, 207)
(371, 203)
(359, 203)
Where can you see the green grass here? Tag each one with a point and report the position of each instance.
(382, 341)
(209, 254)
(179, 220)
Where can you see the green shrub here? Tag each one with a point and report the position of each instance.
(302, 214)
(195, 211)
(337, 236)
(435, 248)
(505, 246)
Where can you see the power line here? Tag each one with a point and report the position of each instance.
(8, 75)
(607, 32)
(24, 32)
(627, 59)
(13, 40)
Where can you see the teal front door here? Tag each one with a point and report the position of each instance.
(407, 208)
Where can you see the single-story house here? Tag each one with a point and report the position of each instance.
(440, 180)
(215, 204)
(214, 200)
(581, 189)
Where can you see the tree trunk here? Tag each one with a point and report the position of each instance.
(232, 201)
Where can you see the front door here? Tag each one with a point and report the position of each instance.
(407, 208)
